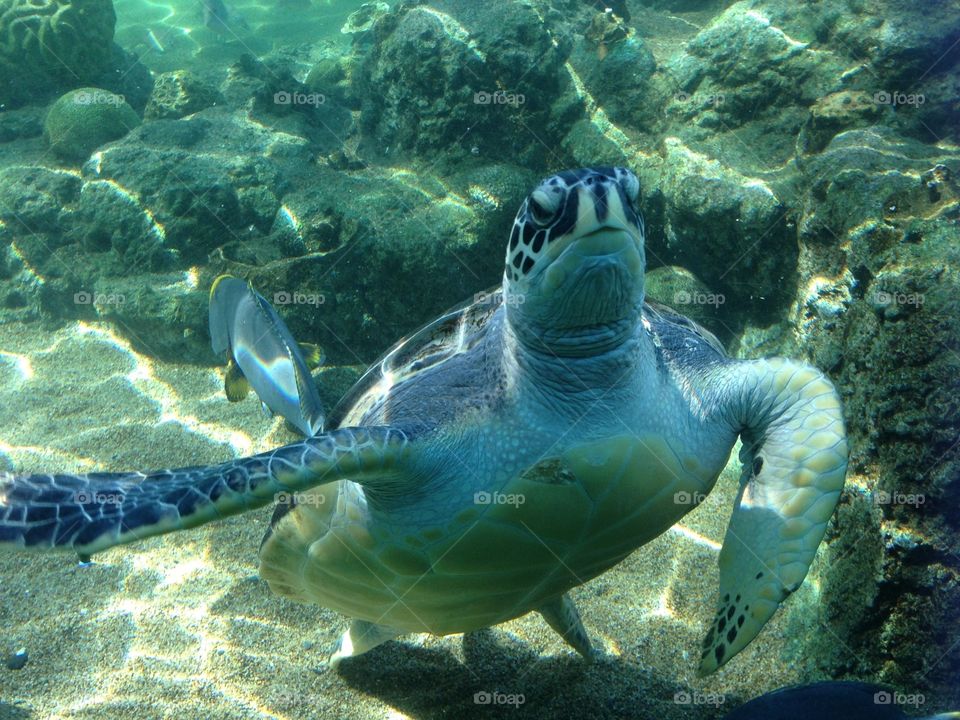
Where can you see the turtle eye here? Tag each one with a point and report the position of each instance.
(543, 206)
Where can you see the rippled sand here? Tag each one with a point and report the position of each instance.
(181, 626)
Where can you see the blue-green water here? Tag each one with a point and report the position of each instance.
(361, 164)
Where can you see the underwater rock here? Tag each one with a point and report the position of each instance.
(128, 77)
(48, 44)
(17, 660)
(141, 226)
(743, 85)
(21, 124)
(901, 40)
(682, 290)
(757, 66)
(937, 118)
(878, 307)
(108, 218)
(83, 120)
(34, 197)
(63, 243)
(834, 113)
(618, 75)
(179, 93)
(364, 17)
(269, 94)
(36, 272)
(332, 76)
(205, 180)
(370, 236)
(586, 140)
(456, 75)
(718, 221)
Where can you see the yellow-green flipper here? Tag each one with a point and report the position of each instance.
(794, 459)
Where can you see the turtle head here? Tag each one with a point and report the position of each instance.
(574, 271)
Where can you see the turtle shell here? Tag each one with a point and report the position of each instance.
(456, 331)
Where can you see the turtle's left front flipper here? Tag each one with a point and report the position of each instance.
(795, 460)
(91, 512)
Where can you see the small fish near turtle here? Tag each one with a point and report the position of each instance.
(263, 356)
(589, 403)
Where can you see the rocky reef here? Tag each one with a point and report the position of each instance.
(800, 175)
(52, 43)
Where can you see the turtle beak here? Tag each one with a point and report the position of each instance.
(614, 250)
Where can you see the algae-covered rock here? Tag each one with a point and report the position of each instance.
(833, 113)
(52, 43)
(878, 307)
(331, 76)
(35, 197)
(728, 229)
(366, 242)
(684, 292)
(83, 120)
(465, 78)
(622, 81)
(179, 93)
(364, 17)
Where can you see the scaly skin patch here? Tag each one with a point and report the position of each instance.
(790, 487)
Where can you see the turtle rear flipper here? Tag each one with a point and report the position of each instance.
(795, 460)
(561, 614)
(91, 512)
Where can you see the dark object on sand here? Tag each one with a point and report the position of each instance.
(832, 700)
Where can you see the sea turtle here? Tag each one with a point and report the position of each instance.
(514, 448)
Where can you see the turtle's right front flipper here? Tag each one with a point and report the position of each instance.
(91, 512)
